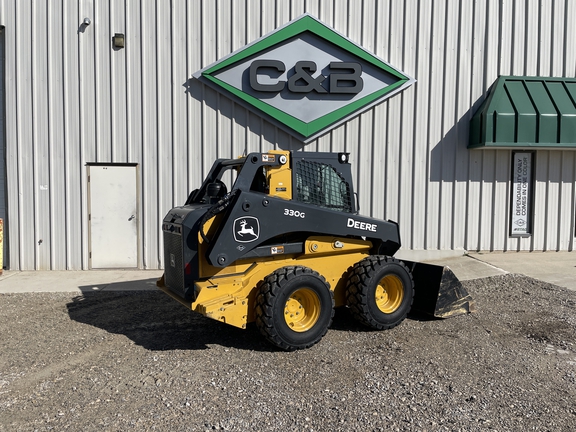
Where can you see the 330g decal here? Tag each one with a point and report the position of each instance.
(294, 213)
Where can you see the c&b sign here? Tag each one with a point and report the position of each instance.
(305, 77)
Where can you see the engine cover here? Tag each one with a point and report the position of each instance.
(180, 231)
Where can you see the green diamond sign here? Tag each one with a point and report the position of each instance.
(305, 77)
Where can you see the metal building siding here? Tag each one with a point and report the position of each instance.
(2, 147)
(72, 99)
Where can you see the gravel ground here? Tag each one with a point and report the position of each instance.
(141, 361)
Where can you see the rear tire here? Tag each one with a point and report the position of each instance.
(380, 291)
(294, 308)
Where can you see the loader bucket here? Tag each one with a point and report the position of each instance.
(438, 292)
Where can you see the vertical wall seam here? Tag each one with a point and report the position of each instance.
(65, 144)
(560, 201)
(174, 172)
(113, 108)
(526, 48)
(158, 163)
(546, 204)
(126, 79)
(512, 39)
(144, 162)
(96, 94)
(428, 129)
(565, 50)
(51, 162)
(83, 212)
(20, 221)
(572, 233)
(33, 130)
(456, 126)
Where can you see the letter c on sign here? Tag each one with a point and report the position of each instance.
(269, 64)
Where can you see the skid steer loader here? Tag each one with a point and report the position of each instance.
(285, 246)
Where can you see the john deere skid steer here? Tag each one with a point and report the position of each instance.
(285, 245)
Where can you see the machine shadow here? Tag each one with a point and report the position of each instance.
(345, 321)
(156, 322)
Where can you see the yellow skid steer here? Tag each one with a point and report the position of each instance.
(284, 245)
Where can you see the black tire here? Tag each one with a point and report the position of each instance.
(380, 291)
(294, 308)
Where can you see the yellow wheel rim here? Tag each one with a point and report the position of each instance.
(302, 310)
(389, 293)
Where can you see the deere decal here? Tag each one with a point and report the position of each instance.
(305, 77)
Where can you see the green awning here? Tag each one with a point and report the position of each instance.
(526, 112)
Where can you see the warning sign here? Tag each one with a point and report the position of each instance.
(276, 250)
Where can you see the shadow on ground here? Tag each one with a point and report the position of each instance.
(156, 322)
(121, 286)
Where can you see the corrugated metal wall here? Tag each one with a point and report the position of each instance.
(72, 99)
(2, 150)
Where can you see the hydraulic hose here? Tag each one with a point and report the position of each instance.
(219, 207)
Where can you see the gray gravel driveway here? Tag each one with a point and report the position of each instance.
(140, 361)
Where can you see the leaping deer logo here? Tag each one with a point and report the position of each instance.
(246, 231)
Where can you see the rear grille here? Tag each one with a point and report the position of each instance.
(173, 263)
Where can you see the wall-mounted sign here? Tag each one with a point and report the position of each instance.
(521, 193)
(305, 77)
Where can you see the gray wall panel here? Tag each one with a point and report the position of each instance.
(3, 196)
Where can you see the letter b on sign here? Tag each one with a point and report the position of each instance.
(354, 78)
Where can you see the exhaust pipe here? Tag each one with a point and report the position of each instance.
(438, 292)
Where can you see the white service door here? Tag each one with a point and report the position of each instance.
(113, 216)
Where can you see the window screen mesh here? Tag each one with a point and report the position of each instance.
(320, 184)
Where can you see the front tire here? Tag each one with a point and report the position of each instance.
(294, 308)
(380, 291)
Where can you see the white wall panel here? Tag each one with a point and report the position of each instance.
(118, 109)
(518, 25)
(553, 200)
(449, 145)
(164, 141)
(567, 203)
(87, 125)
(103, 78)
(150, 128)
(56, 258)
(545, 38)
(501, 207)
(3, 196)
(567, 47)
(532, 55)
(13, 257)
(420, 173)
(26, 212)
(72, 99)
(541, 196)
(179, 164)
(459, 130)
(193, 55)
(70, 220)
(40, 188)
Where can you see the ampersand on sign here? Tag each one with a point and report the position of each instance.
(304, 71)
